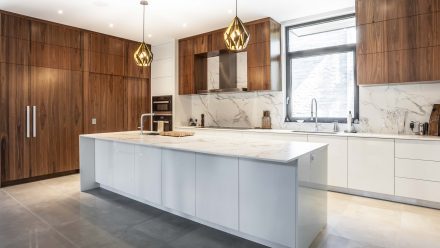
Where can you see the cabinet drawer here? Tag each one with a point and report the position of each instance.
(418, 189)
(418, 169)
(418, 149)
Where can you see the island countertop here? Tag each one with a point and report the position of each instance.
(222, 145)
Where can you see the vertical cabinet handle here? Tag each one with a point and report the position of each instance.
(34, 119)
(28, 121)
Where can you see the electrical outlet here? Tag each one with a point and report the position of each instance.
(93, 121)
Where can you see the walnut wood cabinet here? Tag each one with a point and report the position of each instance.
(263, 57)
(70, 75)
(398, 41)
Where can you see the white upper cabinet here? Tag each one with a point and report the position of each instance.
(179, 181)
(371, 165)
(123, 172)
(148, 173)
(337, 158)
(217, 190)
(104, 162)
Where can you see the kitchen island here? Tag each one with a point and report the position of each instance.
(268, 191)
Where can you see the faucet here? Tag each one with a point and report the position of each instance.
(315, 112)
(142, 121)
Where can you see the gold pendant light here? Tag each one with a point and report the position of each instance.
(143, 55)
(236, 36)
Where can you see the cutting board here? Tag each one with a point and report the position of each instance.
(434, 121)
(177, 133)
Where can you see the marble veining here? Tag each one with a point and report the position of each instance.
(386, 109)
(222, 145)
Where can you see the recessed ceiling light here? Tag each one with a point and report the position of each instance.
(149, 35)
(229, 11)
(111, 25)
(184, 25)
(60, 11)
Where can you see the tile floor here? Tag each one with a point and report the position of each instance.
(54, 213)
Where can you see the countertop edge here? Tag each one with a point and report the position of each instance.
(290, 160)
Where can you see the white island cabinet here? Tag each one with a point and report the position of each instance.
(269, 191)
(179, 181)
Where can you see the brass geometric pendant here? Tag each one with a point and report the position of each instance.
(143, 55)
(236, 36)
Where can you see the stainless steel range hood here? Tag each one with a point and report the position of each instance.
(227, 75)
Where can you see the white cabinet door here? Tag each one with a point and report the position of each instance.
(371, 165)
(217, 190)
(267, 201)
(123, 172)
(337, 158)
(418, 149)
(179, 181)
(104, 162)
(148, 173)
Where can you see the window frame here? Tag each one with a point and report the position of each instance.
(317, 52)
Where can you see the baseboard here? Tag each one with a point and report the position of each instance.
(38, 178)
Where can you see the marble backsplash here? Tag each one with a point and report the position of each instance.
(383, 109)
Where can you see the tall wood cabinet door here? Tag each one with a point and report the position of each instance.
(57, 109)
(138, 101)
(14, 143)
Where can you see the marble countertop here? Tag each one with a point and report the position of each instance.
(252, 147)
(341, 134)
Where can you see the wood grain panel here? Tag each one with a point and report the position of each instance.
(258, 78)
(371, 38)
(54, 56)
(14, 146)
(57, 96)
(258, 54)
(132, 70)
(106, 103)
(106, 44)
(15, 27)
(14, 51)
(217, 41)
(138, 101)
(414, 65)
(401, 33)
(55, 34)
(106, 63)
(400, 8)
(186, 47)
(186, 75)
(372, 68)
(370, 11)
(201, 44)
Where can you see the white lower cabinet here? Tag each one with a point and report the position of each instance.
(104, 162)
(371, 165)
(337, 159)
(418, 189)
(217, 190)
(267, 201)
(123, 167)
(179, 181)
(148, 173)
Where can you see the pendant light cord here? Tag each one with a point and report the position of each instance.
(143, 25)
(236, 8)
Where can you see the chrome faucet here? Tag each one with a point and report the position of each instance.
(314, 112)
(142, 122)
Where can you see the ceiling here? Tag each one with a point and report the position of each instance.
(165, 19)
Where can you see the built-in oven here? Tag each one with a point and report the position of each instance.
(163, 112)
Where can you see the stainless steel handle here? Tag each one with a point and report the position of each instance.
(34, 120)
(166, 122)
(28, 121)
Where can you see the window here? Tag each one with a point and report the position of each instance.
(321, 64)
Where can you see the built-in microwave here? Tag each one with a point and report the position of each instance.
(162, 104)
